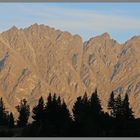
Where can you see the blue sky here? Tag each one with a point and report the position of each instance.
(120, 20)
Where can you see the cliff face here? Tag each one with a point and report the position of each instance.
(38, 60)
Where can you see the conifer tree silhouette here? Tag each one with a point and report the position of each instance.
(95, 104)
(118, 107)
(96, 115)
(65, 114)
(82, 116)
(65, 119)
(127, 111)
(11, 120)
(38, 112)
(80, 110)
(111, 104)
(24, 112)
(3, 113)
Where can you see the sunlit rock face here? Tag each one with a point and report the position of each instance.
(37, 60)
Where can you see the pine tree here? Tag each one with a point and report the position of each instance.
(95, 104)
(127, 111)
(85, 99)
(78, 110)
(118, 107)
(111, 104)
(96, 115)
(49, 100)
(47, 107)
(81, 114)
(81, 108)
(38, 111)
(51, 108)
(65, 121)
(24, 112)
(11, 120)
(3, 113)
(65, 114)
(59, 100)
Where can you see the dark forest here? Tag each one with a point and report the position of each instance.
(53, 118)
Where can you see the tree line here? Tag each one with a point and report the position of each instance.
(87, 118)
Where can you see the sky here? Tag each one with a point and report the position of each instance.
(120, 20)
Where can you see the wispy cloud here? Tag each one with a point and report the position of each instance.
(78, 21)
(81, 18)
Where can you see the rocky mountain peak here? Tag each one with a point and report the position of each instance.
(106, 36)
(13, 29)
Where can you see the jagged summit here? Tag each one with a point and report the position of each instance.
(42, 59)
(13, 28)
(105, 35)
(35, 25)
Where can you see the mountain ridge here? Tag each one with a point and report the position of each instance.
(37, 60)
(53, 28)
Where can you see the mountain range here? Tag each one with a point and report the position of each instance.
(39, 60)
